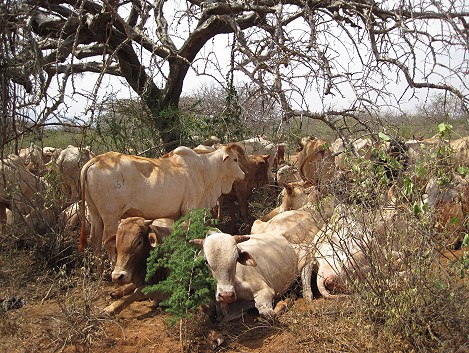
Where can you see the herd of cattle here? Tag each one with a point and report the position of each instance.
(130, 204)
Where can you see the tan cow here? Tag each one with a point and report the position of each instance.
(35, 158)
(315, 162)
(295, 225)
(303, 195)
(135, 239)
(460, 148)
(116, 186)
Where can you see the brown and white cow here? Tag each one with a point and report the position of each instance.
(116, 186)
(135, 239)
(250, 271)
(256, 169)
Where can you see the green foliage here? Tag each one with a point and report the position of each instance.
(189, 283)
(444, 130)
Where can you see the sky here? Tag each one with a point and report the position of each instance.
(78, 106)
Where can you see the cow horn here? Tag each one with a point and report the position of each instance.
(240, 238)
(198, 242)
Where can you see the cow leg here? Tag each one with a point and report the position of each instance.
(96, 239)
(123, 290)
(110, 230)
(119, 305)
(263, 300)
(243, 208)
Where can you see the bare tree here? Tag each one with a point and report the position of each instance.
(326, 60)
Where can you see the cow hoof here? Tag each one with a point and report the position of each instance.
(283, 306)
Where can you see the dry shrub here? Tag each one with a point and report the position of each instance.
(417, 298)
(78, 322)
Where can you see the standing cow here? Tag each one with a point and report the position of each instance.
(116, 186)
(68, 166)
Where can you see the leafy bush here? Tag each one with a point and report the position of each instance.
(189, 283)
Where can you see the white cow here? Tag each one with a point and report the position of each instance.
(362, 147)
(19, 187)
(117, 186)
(344, 249)
(250, 271)
(68, 166)
(35, 158)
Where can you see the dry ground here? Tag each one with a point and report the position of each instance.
(62, 314)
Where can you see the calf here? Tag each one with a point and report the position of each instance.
(250, 271)
(134, 240)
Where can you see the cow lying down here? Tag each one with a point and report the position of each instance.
(134, 240)
(345, 251)
(250, 271)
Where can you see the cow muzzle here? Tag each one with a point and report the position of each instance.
(226, 297)
(120, 277)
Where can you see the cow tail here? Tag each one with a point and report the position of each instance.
(83, 242)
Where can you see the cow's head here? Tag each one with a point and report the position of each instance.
(233, 157)
(222, 254)
(298, 194)
(134, 240)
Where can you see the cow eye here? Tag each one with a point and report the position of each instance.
(235, 159)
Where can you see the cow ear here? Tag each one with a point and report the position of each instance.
(153, 239)
(245, 258)
(111, 241)
(270, 158)
(198, 242)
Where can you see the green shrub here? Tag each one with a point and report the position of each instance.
(189, 283)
